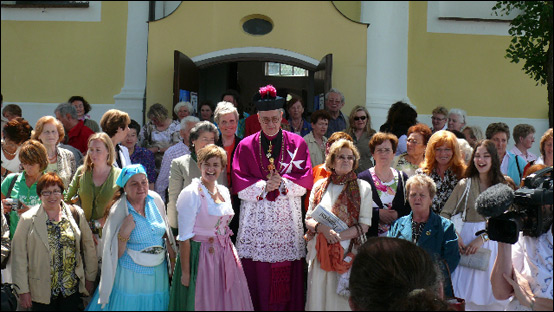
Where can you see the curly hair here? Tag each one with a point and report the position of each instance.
(496, 127)
(39, 127)
(157, 111)
(443, 137)
(334, 152)
(86, 104)
(17, 130)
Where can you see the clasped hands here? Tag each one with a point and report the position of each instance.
(274, 181)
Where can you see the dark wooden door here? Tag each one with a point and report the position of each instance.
(185, 76)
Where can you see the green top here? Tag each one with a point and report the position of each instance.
(93, 199)
(22, 193)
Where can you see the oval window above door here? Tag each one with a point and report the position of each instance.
(257, 25)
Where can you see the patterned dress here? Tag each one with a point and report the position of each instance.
(445, 186)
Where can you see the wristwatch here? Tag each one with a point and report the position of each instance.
(485, 237)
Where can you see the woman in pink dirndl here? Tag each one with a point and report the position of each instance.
(208, 273)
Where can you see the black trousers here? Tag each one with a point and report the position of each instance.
(61, 303)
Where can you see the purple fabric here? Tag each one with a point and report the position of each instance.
(262, 275)
(247, 163)
(145, 157)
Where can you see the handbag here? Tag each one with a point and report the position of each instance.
(459, 218)
(454, 303)
(9, 299)
(478, 260)
(148, 257)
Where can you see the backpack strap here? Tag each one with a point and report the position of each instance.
(12, 183)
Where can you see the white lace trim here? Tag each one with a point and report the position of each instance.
(271, 231)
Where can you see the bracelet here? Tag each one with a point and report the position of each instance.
(315, 229)
(122, 239)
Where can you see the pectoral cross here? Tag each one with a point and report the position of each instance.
(271, 165)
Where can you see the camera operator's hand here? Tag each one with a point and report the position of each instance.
(472, 247)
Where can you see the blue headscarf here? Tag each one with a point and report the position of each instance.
(127, 172)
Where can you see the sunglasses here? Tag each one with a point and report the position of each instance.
(360, 118)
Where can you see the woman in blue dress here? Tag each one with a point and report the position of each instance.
(137, 238)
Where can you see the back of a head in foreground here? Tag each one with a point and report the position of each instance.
(391, 274)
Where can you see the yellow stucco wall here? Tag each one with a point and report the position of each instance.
(49, 61)
(469, 72)
(309, 28)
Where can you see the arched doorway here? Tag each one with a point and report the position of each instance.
(206, 77)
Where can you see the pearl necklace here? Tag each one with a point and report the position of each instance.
(8, 153)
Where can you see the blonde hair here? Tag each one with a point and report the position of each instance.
(334, 152)
(224, 108)
(422, 180)
(39, 127)
(353, 113)
(101, 136)
(444, 137)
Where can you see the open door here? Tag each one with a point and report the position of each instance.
(322, 80)
(185, 77)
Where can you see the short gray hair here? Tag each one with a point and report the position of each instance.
(185, 121)
(422, 180)
(333, 90)
(459, 112)
(466, 150)
(187, 105)
(66, 108)
(203, 126)
(224, 108)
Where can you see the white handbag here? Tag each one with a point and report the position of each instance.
(148, 257)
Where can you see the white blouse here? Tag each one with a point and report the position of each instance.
(189, 203)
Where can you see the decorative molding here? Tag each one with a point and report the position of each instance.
(205, 59)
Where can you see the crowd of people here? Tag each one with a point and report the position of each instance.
(271, 211)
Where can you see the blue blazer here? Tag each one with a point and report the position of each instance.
(438, 238)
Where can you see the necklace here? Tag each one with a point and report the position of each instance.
(53, 158)
(8, 153)
(213, 194)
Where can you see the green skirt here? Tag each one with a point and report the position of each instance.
(181, 298)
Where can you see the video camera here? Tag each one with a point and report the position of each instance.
(530, 212)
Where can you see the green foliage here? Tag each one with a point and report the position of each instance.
(531, 33)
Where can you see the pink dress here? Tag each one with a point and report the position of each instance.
(221, 283)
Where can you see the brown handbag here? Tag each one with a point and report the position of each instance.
(454, 303)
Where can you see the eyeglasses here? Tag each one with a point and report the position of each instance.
(347, 158)
(274, 120)
(360, 118)
(413, 141)
(48, 193)
(443, 150)
(383, 150)
(437, 119)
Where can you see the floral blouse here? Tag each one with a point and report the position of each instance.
(145, 157)
(387, 192)
(401, 163)
(445, 187)
(61, 242)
